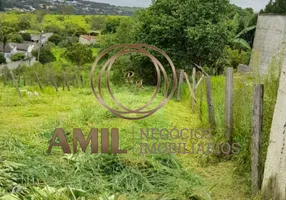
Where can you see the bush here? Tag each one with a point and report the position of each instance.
(2, 59)
(46, 55)
(26, 36)
(53, 29)
(74, 30)
(18, 56)
(56, 39)
(16, 38)
(232, 58)
(67, 42)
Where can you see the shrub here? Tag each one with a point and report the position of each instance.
(67, 42)
(53, 29)
(16, 38)
(26, 36)
(56, 39)
(2, 59)
(18, 56)
(46, 55)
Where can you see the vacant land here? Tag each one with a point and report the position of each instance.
(27, 126)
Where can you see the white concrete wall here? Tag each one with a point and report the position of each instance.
(274, 181)
(87, 42)
(14, 65)
(270, 39)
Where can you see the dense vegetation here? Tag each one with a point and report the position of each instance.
(277, 6)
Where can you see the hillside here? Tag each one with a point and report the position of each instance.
(79, 7)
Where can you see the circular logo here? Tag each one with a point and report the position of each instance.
(143, 50)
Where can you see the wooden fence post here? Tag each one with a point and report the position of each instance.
(5, 78)
(201, 104)
(180, 85)
(38, 80)
(194, 88)
(15, 84)
(192, 94)
(54, 82)
(256, 138)
(229, 104)
(66, 82)
(210, 102)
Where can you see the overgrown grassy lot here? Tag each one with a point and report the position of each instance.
(28, 172)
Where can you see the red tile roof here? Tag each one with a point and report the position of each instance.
(88, 37)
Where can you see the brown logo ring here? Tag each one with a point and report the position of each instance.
(141, 49)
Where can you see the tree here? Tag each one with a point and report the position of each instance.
(46, 55)
(24, 22)
(16, 37)
(111, 25)
(2, 59)
(26, 36)
(56, 39)
(4, 36)
(79, 54)
(277, 6)
(188, 30)
(97, 23)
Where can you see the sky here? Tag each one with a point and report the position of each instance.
(257, 5)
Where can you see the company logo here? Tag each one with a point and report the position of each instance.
(142, 49)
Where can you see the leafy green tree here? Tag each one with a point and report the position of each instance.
(46, 55)
(56, 39)
(16, 37)
(79, 54)
(72, 29)
(2, 59)
(188, 30)
(24, 22)
(53, 28)
(97, 22)
(277, 6)
(4, 36)
(26, 36)
(111, 25)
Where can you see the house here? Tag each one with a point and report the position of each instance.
(87, 39)
(45, 37)
(25, 48)
(13, 48)
(9, 50)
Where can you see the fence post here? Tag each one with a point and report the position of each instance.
(229, 104)
(256, 137)
(15, 84)
(180, 85)
(194, 88)
(5, 78)
(210, 102)
(38, 80)
(54, 82)
(201, 104)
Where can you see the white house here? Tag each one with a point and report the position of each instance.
(45, 37)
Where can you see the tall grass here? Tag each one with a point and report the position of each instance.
(243, 110)
(27, 171)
